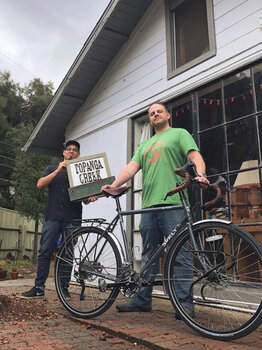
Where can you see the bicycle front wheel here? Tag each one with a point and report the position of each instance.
(217, 289)
(85, 264)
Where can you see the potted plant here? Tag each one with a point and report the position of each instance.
(14, 272)
(3, 271)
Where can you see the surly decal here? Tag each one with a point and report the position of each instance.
(154, 151)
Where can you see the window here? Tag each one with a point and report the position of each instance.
(230, 129)
(225, 119)
(190, 34)
(210, 106)
(241, 142)
(213, 151)
(238, 95)
(181, 114)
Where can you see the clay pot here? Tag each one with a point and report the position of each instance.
(14, 275)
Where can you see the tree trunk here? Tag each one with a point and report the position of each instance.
(34, 258)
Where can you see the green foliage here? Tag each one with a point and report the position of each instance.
(37, 98)
(11, 99)
(20, 111)
(29, 201)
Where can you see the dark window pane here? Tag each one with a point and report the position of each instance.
(242, 142)
(210, 106)
(258, 85)
(213, 150)
(181, 113)
(260, 131)
(238, 95)
(191, 31)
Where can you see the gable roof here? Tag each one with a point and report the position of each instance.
(110, 33)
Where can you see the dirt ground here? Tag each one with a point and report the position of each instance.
(12, 309)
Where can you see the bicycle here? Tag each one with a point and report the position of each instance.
(217, 263)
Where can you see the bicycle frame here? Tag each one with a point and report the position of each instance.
(186, 223)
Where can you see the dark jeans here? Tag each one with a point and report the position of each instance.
(153, 227)
(51, 232)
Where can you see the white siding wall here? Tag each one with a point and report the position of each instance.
(137, 76)
(113, 141)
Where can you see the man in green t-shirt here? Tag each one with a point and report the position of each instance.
(158, 157)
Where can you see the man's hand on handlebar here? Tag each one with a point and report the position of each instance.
(202, 179)
(106, 187)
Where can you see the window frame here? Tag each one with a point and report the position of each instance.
(171, 70)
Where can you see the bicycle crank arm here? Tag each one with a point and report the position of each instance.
(103, 285)
(153, 283)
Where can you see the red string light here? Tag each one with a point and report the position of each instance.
(182, 110)
(210, 102)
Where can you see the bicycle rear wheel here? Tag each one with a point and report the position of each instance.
(85, 263)
(218, 290)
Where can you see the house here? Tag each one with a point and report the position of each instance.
(203, 58)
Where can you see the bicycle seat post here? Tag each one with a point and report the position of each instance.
(118, 206)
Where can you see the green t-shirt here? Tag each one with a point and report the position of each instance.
(159, 157)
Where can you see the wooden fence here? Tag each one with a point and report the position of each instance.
(16, 234)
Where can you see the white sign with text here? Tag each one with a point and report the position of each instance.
(86, 170)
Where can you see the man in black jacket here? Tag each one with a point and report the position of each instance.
(59, 218)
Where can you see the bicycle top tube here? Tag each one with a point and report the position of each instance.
(150, 209)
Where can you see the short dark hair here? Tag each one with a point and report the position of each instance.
(73, 142)
(158, 103)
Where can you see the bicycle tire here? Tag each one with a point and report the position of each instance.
(222, 300)
(75, 268)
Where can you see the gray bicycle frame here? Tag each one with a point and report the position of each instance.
(185, 223)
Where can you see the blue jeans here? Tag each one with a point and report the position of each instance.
(153, 227)
(51, 232)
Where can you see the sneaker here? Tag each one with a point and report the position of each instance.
(34, 293)
(66, 294)
(130, 307)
